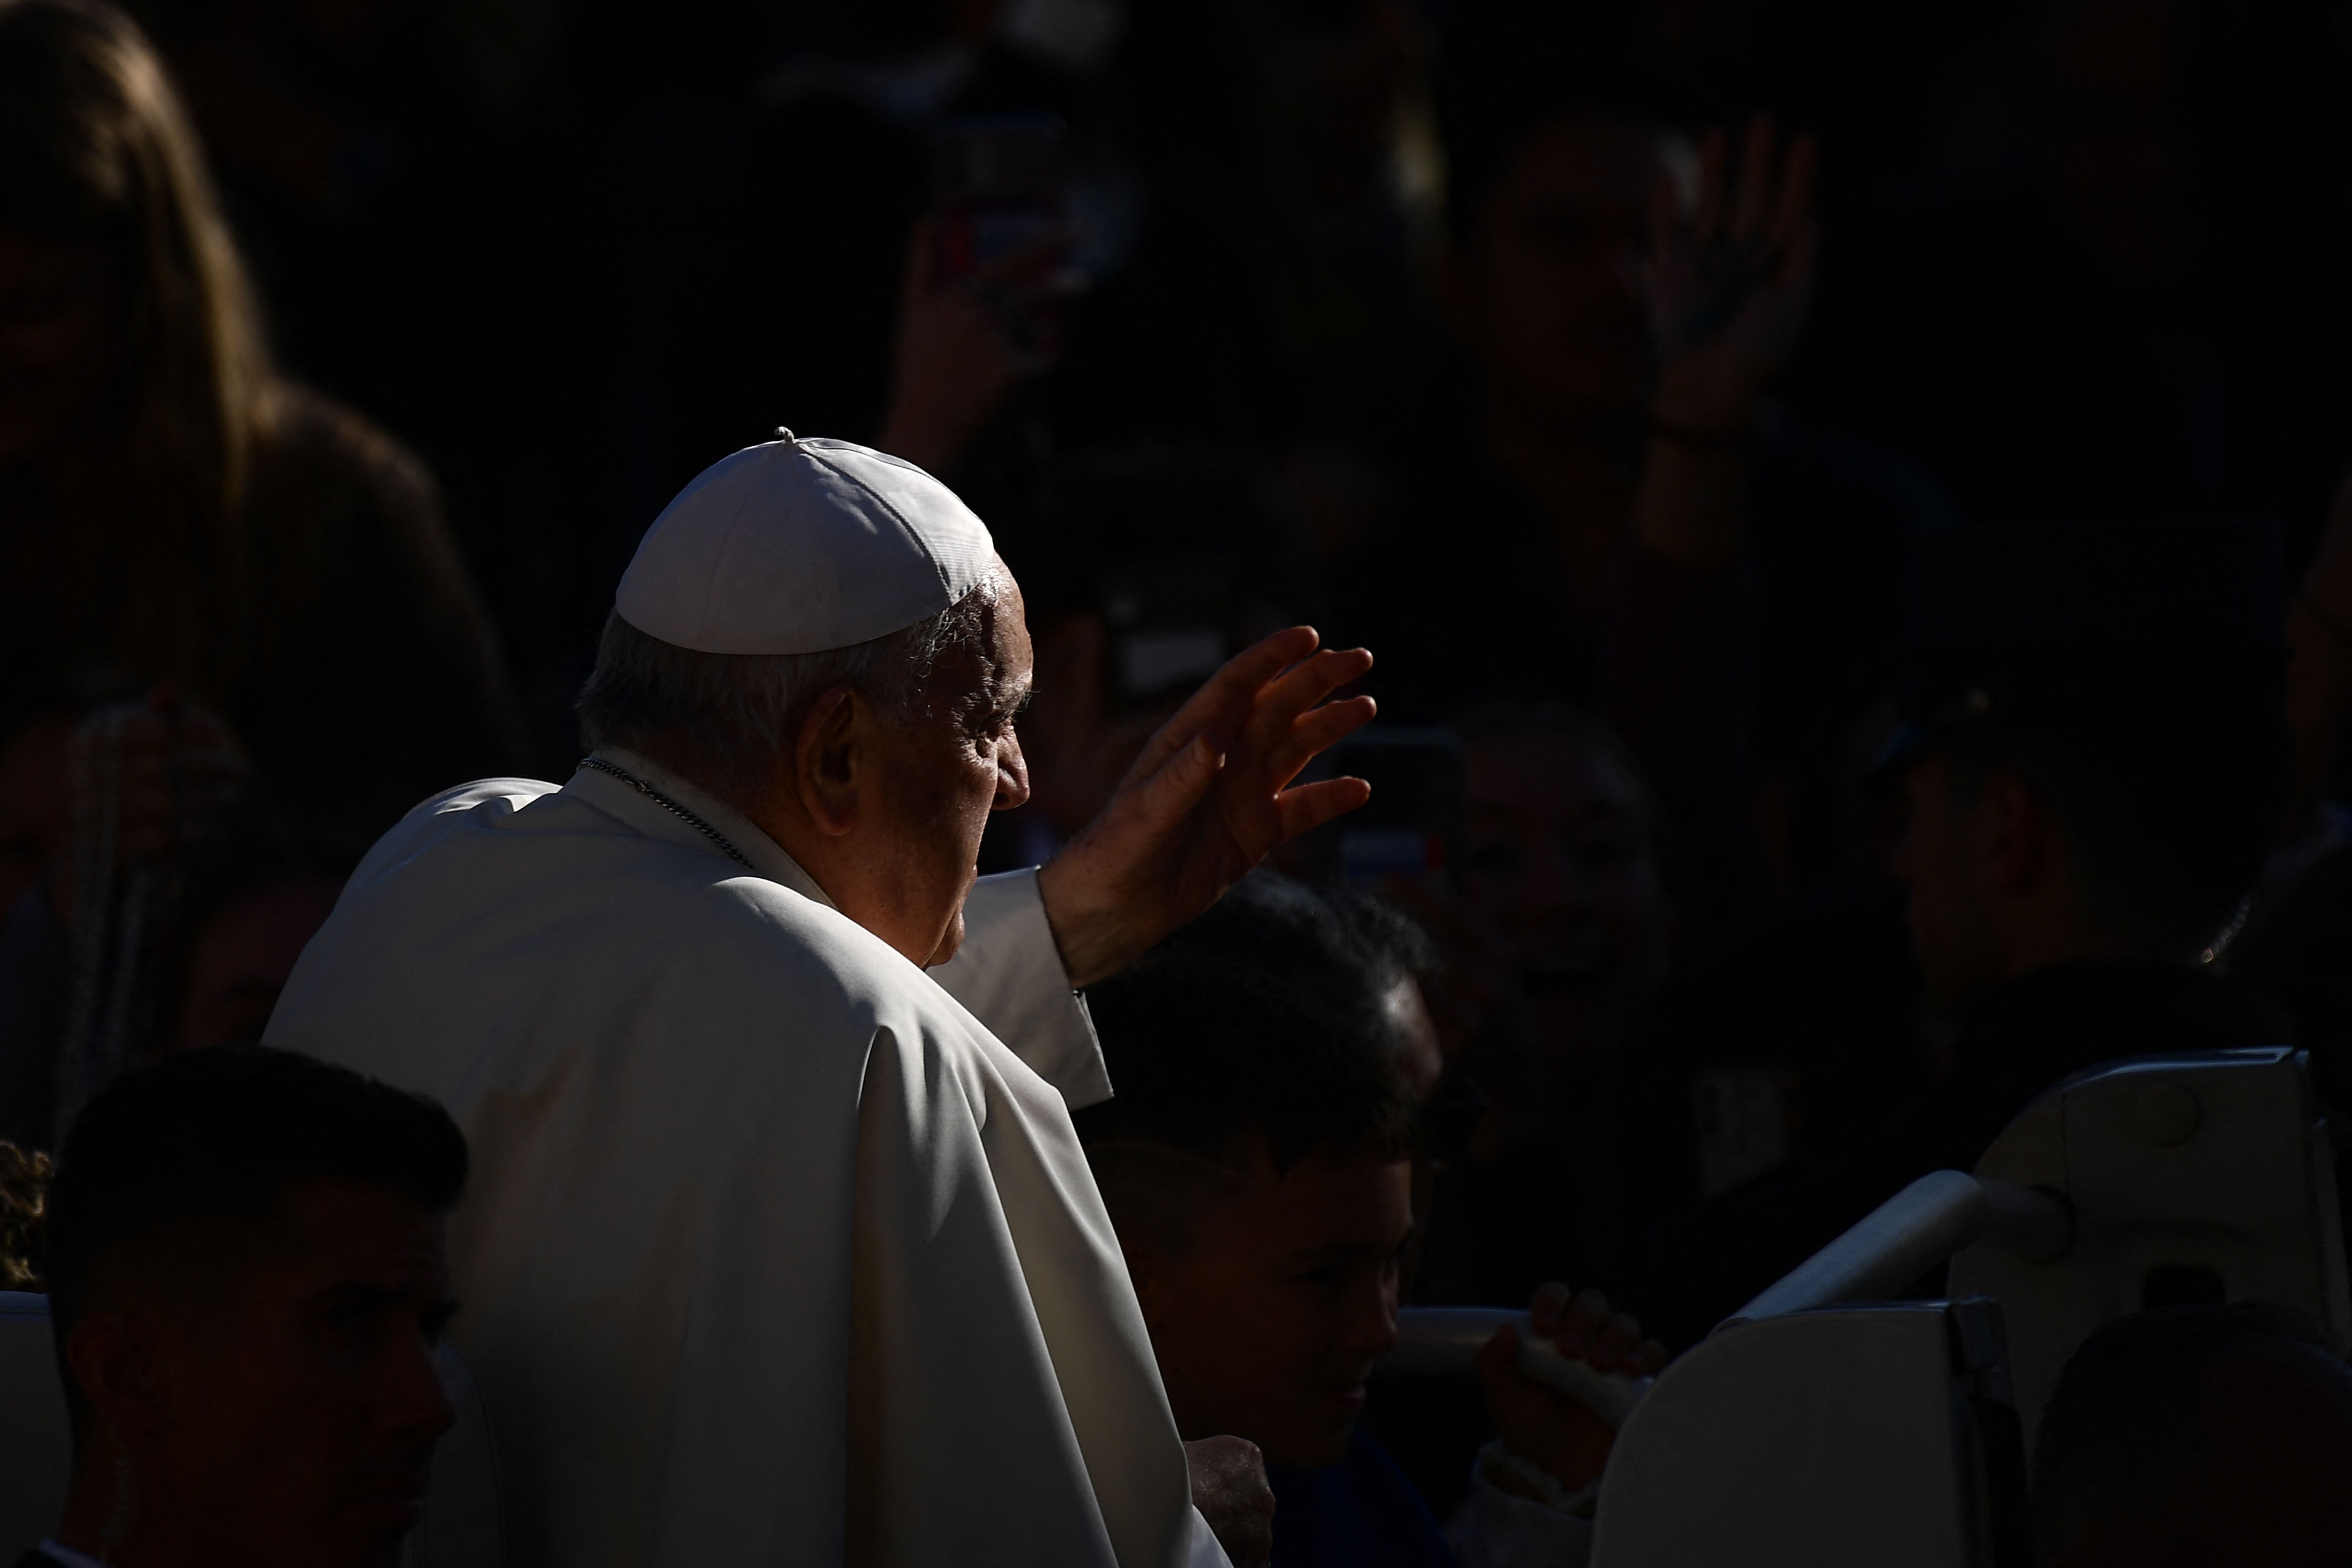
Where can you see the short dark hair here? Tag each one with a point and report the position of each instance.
(217, 1137)
(2122, 1424)
(1262, 1019)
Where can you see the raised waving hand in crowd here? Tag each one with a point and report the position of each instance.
(1729, 282)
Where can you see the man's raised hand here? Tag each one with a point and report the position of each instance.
(1209, 798)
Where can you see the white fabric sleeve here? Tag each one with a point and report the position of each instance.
(1499, 1528)
(1203, 1550)
(1009, 975)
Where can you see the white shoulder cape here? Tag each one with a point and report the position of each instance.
(772, 1252)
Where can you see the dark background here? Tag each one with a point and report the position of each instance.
(573, 252)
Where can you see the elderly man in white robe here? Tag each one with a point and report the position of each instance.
(781, 1249)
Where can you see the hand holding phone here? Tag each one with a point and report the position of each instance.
(986, 270)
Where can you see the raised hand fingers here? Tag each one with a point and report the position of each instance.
(1796, 204)
(1753, 206)
(1314, 732)
(1669, 242)
(1223, 700)
(1310, 806)
(1163, 799)
(1279, 706)
(1714, 183)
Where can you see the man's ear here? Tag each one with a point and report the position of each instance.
(2015, 838)
(116, 1358)
(825, 761)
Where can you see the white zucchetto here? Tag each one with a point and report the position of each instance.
(802, 545)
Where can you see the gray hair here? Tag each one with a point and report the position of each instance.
(727, 720)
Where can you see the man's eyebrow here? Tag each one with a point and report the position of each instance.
(1011, 701)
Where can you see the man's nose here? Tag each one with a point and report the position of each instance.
(1011, 779)
(1371, 1321)
(419, 1393)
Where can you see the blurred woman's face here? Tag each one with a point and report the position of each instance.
(60, 339)
(1557, 857)
(1549, 290)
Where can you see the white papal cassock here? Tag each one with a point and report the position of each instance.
(773, 1252)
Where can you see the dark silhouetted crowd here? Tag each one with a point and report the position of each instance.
(1850, 510)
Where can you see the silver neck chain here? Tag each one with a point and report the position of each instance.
(659, 799)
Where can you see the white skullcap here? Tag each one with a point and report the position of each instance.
(803, 545)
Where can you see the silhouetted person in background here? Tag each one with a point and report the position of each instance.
(253, 897)
(422, 191)
(172, 513)
(2097, 768)
(213, 583)
(1615, 514)
(1558, 942)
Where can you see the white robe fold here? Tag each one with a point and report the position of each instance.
(774, 1253)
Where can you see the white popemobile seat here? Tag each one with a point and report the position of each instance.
(460, 1527)
(1826, 1426)
(2205, 1178)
